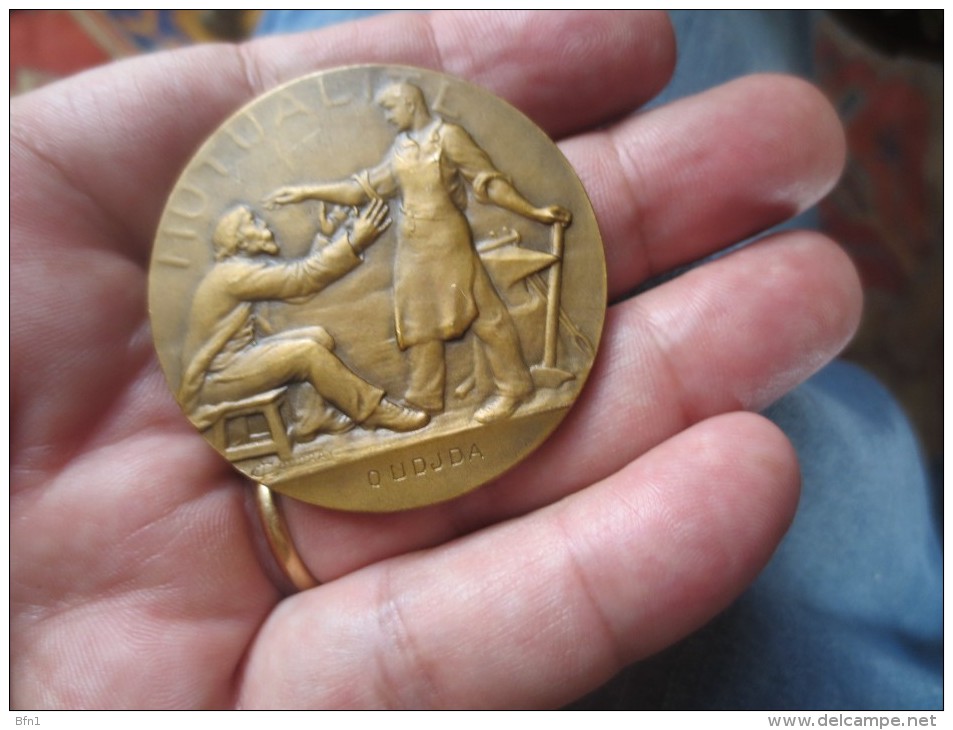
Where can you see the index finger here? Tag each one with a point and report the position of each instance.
(566, 70)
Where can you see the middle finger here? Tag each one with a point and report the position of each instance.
(685, 180)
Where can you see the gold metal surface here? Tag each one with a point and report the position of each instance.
(376, 288)
(279, 540)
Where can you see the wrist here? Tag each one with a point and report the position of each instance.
(356, 242)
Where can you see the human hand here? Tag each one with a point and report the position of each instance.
(330, 217)
(370, 223)
(136, 578)
(553, 214)
(287, 195)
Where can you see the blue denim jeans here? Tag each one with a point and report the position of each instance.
(848, 613)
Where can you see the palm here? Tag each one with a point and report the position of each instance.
(135, 575)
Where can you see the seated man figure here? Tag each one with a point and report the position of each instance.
(226, 358)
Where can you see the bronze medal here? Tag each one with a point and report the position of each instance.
(376, 288)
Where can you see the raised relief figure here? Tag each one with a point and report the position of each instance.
(229, 357)
(441, 288)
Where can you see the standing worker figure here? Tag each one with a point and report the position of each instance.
(441, 288)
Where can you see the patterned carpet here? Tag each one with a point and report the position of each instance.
(883, 71)
(888, 213)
